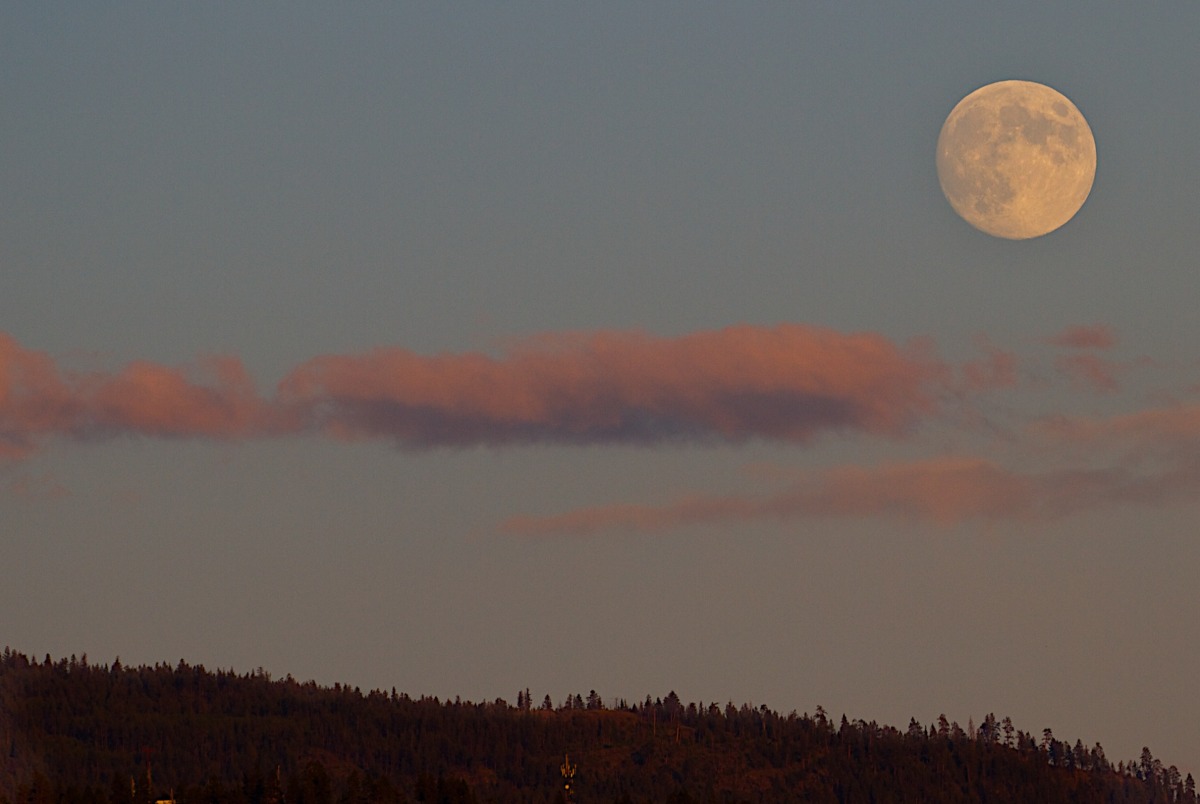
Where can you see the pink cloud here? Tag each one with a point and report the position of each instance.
(1164, 430)
(34, 399)
(788, 382)
(154, 400)
(37, 400)
(42, 487)
(942, 492)
(1091, 372)
(1094, 336)
(1149, 457)
(996, 369)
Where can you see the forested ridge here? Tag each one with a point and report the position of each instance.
(72, 731)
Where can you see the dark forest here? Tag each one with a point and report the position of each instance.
(72, 731)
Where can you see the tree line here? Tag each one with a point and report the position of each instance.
(73, 731)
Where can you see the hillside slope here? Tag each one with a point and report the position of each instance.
(72, 731)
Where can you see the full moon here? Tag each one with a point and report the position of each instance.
(1016, 159)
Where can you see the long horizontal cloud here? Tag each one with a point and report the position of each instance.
(785, 383)
(788, 382)
(943, 491)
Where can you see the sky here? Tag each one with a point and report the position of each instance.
(469, 348)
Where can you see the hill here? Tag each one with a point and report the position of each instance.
(71, 731)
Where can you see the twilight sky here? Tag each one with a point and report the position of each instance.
(629, 347)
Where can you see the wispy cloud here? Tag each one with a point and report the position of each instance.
(1085, 336)
(36, 487)
(997, 368)
(942, 491)
(1169, 431)
(1091, 372)
(1085, 366)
